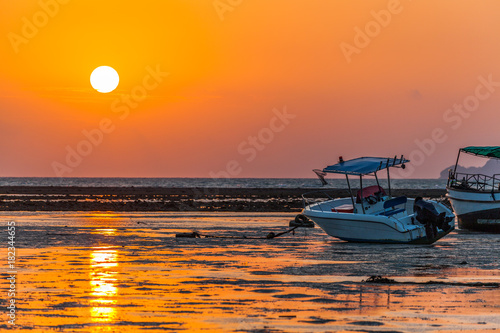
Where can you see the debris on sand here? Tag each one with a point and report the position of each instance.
(384, 280)
(379, 279)
(193, 234)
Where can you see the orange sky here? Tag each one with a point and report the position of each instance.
(244, 88)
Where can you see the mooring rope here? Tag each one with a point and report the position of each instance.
(196, 234)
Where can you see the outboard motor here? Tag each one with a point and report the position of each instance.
(427, 214)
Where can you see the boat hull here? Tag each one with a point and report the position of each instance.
(371, 229)
(478, 211)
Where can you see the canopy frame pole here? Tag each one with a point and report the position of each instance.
(350, 192)
(456, 163)
(454, 174)
(361, 192)
(389, 180)
(376, 178)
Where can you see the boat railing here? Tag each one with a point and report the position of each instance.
(477, 182)
(316, 198)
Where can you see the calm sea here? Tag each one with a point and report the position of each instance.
(224, 183)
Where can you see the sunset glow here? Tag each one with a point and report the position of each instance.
(360, 78)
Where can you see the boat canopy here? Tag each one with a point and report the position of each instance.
(491, 151)
(365, 165)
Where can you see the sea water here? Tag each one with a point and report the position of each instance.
(219, 182)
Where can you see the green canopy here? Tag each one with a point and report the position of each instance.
(493, 151)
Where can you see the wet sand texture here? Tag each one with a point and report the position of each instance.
(89, 272)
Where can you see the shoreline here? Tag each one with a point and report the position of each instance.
(72, 198)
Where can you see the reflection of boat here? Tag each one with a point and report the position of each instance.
(475, 198)
(374, 216)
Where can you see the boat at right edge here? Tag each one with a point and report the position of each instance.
(475, 198)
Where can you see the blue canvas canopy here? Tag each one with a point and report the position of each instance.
(364, 165)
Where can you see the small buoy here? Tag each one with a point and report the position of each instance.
(271, 235)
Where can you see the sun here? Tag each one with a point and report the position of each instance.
(104, 79)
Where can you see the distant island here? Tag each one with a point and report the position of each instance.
(490, 168)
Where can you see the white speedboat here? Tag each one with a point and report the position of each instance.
(475, 198)
(374, 216)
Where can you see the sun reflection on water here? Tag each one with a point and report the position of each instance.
(103, 263)
(106, 232)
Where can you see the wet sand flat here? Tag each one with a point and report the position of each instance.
(127, 272)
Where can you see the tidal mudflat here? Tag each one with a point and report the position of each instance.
(127, 272)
